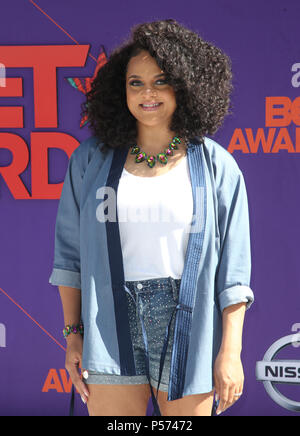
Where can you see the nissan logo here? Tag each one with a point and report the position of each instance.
(271, 371)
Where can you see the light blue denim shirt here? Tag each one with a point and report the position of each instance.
(217, 267)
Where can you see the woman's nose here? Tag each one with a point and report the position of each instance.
(148, 90)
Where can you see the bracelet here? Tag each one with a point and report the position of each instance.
(73, 329)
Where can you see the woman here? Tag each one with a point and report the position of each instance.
(152, 245)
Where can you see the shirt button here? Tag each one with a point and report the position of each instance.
(139, 285)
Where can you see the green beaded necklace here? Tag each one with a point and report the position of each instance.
(161, 157)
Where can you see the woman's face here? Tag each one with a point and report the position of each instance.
(146, 85)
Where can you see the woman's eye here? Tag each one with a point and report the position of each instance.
(138, 82)
(133, 82)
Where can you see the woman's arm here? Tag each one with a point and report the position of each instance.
(228, 370)
(233, 291)
(71, 302)
(233, 322)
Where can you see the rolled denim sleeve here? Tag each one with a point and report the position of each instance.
(66, 265)
(234, 267)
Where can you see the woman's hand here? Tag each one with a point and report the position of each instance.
(73, 362)
(229, 379)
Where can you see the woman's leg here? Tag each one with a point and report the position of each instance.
(118, 400)
(190, 405)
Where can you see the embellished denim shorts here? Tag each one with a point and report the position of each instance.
(154, 300)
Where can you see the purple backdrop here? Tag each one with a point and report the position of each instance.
(262, 39)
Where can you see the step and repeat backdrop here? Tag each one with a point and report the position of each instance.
(49, 54)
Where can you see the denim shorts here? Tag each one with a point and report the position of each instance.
(156, 299)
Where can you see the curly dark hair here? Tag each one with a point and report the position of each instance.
(199, 73)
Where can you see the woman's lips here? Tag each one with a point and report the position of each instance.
(151, 107)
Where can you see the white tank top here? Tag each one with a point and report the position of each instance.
(155, 215)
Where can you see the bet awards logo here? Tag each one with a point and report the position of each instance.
(271, 371)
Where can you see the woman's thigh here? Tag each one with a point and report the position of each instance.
(118, 400)
(190, 405)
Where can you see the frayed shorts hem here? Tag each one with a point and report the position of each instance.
(106, 379)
